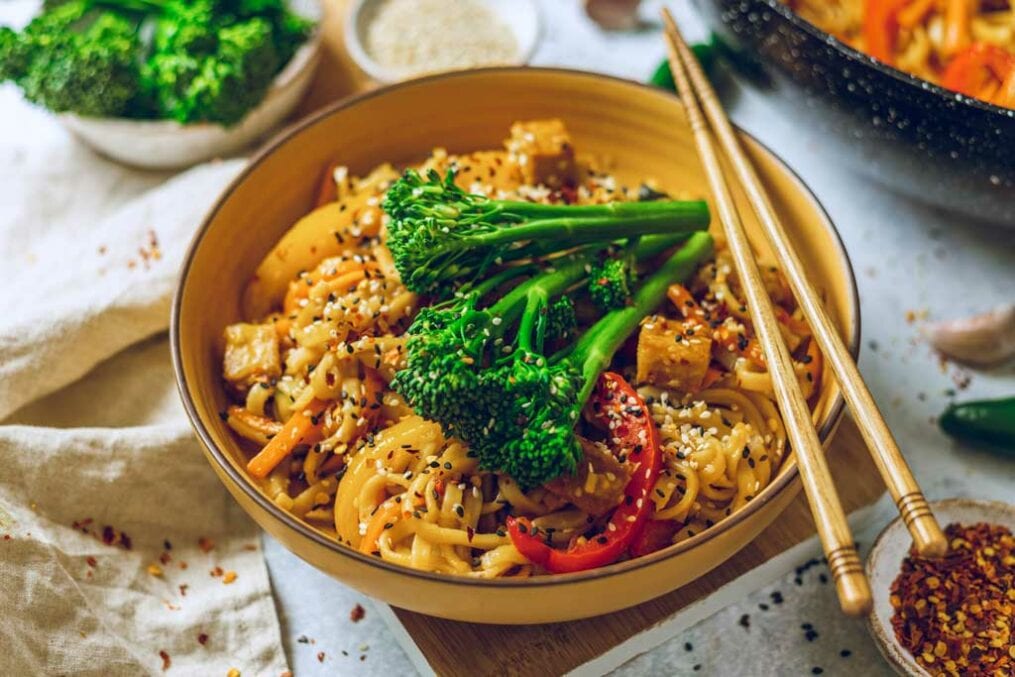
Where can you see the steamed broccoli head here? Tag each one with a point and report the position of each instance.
(610, 284)
(221, 86)
(539, 405)
(203, 60)
(561, 321)
(74, 61)
(440, 379)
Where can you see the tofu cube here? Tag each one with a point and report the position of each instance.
(252, 354)
(543, 152)
(673, 355)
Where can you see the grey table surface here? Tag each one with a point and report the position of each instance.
(907, 257)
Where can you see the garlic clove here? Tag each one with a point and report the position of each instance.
(982, 340)
(614, 15)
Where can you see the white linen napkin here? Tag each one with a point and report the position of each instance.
(120, 552)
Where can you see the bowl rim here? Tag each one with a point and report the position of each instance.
(888, 644)
(293, 523)
(866, 59)
(384, 75)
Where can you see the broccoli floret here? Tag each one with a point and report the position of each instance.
(610, 284)
(561, 321)
(204, 60)
(483, 372)
(74, 60)
(221, 86)
(542, 398)
(440, 236)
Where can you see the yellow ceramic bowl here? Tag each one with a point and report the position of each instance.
(643, 132)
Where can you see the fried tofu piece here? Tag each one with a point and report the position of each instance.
(252, 354)
(543, 152)
(672, 354)
(598, 483)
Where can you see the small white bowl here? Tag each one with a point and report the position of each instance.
(167, 144)
(885, 562)
(520, 16)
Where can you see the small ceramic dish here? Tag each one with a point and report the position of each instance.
(885, 562)
(168, 144)
(520, 16)
(642, 131)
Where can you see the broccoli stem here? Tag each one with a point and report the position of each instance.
(681, 217)
(595, 349)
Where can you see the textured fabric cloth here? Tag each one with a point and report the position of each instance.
(120, 551)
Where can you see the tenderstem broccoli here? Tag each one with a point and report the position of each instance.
(483, 372)
(440, 235)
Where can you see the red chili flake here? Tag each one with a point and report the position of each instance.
(90, 561)
(320, 656)
(7, 537)
(202, 639)
(357, 613)
(166, 661)
(165, 558)
(82, 525)
(206, 544)
(953, 614)
(183, 589)
(217, 571)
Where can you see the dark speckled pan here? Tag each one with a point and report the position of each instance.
(918, 138)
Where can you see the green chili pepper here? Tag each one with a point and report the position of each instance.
(705, 53)
(983, 421)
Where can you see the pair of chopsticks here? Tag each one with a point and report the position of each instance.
(840, 550)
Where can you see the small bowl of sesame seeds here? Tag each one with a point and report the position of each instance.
(393, 40)
(953, 615)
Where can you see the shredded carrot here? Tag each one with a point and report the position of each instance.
(327, 191)
(303, 427)
(684, 302)
(914, 13)
(711, 376)
(957, 26)
(1005, 95)
(386, 514)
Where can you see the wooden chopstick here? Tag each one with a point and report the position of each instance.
(916, 514)
(829, 517)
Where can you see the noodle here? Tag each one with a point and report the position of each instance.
(942, 41)
(382, 480)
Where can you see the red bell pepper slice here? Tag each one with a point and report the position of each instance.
(656, 535)
(967, 72)
(881, 28)
(619, 409)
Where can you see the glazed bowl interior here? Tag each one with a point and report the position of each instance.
(641, 133)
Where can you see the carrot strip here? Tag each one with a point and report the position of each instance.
(956, 26)
(327, 191)
(684, 302)
(914, 13)
(711, 376)
(261, 424)
(386, 514)
(303, 427)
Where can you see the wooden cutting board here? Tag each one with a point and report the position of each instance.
(595, 645)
